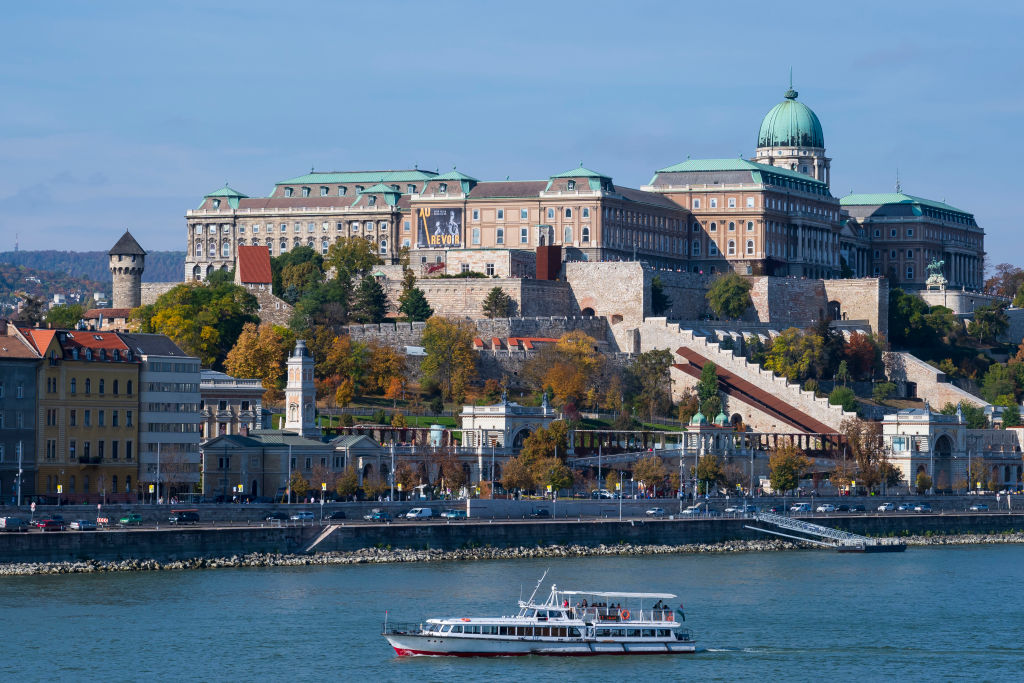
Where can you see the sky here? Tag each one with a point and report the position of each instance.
(122, 115)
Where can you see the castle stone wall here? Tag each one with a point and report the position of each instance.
(862, 299)
(464, 297)
(932, 384)
(151, 291)
(411, 334)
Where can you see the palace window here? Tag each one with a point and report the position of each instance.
(199, 248)
(476, 214)
(712, 248)
(500, 237)
(410, 189)
(213, 250)
(696, 203)
(551, 213)
(489, 269)
(750, 202)
(501, 214)
(406, 226)
(714, 203)
(750, 226)
(524, 214)
(585, 235)
(568, 213)
(476, 235)
(910, 232)
(443, 187)
(464, 268)
(750, 247)
(696, 247)
(567, 236)
(324, 191)
(570, 185)
(342, 190)
(586, 212)
(216, 203)
(384, 246)
(732, 226)
(732, 202)
(714, 227)
(288, 192)
(225, 250)
(910, 272)
(732, 247)
(524, 235)
(305, 192)
(910, 253)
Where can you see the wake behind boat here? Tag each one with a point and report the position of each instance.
(568, 623)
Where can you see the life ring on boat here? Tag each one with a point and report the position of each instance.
(465, 619)
(624, 614)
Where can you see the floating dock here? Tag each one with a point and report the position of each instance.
(842, 541)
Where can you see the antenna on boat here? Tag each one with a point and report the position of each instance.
(537, 587)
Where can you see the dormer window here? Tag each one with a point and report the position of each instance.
(571, 185)
(324, 191)
(395, 188)
(359, 188)
(288, 192)
(372, 199)
(216, 203)
(305, 192)
(410, 188)
(442, 187)
(342, 190)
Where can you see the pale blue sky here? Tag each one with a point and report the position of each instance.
(122, 115)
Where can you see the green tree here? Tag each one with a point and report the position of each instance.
(794, 354)
(1018, 298)
(844, 396)
(649, 375)
(707, 385)
(922, 483)
(660, 301)
(552, 472)
(729, 296)
(294, 257)
(974, 416)
(906, 317)
(498, 304)
(650, 471)
(883, 390)
(546, 442)
(298, 484)
(449, 362)
(205, 320)
(843, 373)
(1011, 411)
(709, 472)
(65, 317)
(786, 464)
(999, 380)
(611, 480)
(989, 323)
(352, 257)
(370, 302)
(414, 306)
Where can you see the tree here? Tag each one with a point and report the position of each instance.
(407, 477)
(786, 465)
(650, 471)
(449, 361)
(352, 257)
(866, 446)
(883, 390)
(793, 354)
(863, 356)
(843, 373)
(370, 303)
(709, 472)
(33, 309)
(546, 442)
(611, 481)
(844, 396)
(498, 304)
(298, 484)
(974, 416)
(517, 476)
(1007, 280)
(65, 317)
(649, 374)
(414, 305)
(205, 320)
(386, 363)
(347, 483)
(998, 381)
(297, 258)
(906, 316)
(989, 323)
(552, 472)
(302, 275)
(729, 296)
(398, 421)
(261, 353)
(688, 407)
(922, 483)
(660, 302)
(571, 368)
(707, 385)
(344, 394)
(396, 390)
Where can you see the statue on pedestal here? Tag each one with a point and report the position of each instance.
(936, 280)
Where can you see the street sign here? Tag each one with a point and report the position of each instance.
(323, 486)
(32, 507)
(152, 488)
(240, 489)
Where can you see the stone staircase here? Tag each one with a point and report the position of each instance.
(658, 333)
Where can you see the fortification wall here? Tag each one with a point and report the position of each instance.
(958, 301)
(411, 334)
(862, 299)
(151, 291)
(458, 297)
(686, 293)
(932, 384)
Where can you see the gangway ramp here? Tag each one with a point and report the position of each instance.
(843, 541)
(328, 530)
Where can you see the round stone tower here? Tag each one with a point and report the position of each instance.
(127, 261)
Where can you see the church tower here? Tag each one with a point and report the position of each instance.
(127, 261)
(791, 138)
(300, 393)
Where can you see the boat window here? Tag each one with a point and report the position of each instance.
(503, 631)
(603, 632)
(663, 633)
(633, 633)
(446, 629)
(457, 629)
(575, 632)
(648, 633)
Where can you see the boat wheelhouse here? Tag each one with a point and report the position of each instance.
(567, 623)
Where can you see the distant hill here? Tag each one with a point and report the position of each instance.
(161, 266)
(43, 283)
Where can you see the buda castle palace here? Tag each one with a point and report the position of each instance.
(774, 214)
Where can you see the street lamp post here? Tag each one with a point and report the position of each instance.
(392, 471)
(492, 470)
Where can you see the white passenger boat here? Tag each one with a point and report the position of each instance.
(568, 623)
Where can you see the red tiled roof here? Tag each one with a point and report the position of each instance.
(94, 340)
(527, 343)
(254, 265)
(94, 313)
(40, 338)
(478, 342)
(13, 347)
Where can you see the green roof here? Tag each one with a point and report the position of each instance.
(380, 187)
(360, 177)
(227, 192)
(881, 198)
(790, 124)
(455, 175)
(706, 165)
(580, 172)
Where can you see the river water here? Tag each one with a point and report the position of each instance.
(950, 613)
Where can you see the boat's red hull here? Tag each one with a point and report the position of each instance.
(403, 652)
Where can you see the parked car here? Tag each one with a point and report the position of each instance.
(454, 514)
(82, 525)
(922, 507)
(826, 507)
(337, 514)
(655, 512)
(540, 513)
(51, 525)
(800, 507)
(978, 507)
(777, 508)
(130, 519)
(842, 508)
(905, 507)
(419, 513)
(857, 508)
(377, 515)
(602, 493)
(695, 510)
(303, 516)
(886, 507)
(13, 524)
(749, 509)
(184, 517)
(278, 515)
(733, 509)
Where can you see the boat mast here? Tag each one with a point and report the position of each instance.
(537, 587)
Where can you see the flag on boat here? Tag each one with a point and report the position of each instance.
(682, 615)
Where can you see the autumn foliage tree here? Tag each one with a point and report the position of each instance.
(786, 465)
(261, 353)
(449, 361)
(570, 367)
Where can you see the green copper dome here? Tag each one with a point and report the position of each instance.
(790, 124)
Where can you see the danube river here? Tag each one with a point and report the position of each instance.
(928, 614)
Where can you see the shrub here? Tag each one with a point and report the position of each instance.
(844, 396)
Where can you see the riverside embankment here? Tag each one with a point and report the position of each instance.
(174, 544)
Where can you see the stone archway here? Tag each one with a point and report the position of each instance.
(587, 312)
(942, 479)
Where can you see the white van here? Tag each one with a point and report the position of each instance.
(800, 507)
(419, 513)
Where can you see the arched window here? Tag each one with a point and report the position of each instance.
(225, 250)
(102, 383)
(115, 387)
(750, 247)
(750, 226)
(213, 249)
(585, 234)
(197, 273)
(199, 249)
(284, 245)
(383, 246)
(714, 227)
(696, 247)
(732, 226)
(129, 387)
(732, 247)
(324, 246)
(74, 385)
(567, 236)
(551, 213)
(88, 385)
(568, 213)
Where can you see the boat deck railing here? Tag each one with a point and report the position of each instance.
(621, 614)
(399, 628)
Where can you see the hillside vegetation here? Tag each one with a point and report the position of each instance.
(161, 266)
